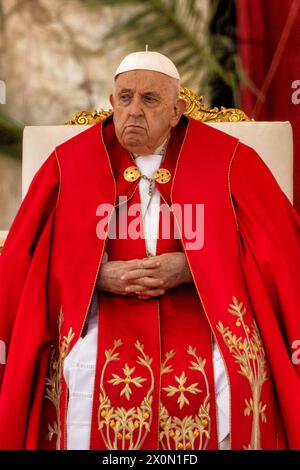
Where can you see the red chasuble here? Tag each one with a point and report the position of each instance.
(154, 383)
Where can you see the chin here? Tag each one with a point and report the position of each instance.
(133, 146)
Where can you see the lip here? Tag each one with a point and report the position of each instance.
(133, 129)
(134, 126)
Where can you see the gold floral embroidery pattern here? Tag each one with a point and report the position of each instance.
(182, 389)
(122, 428)
(191, 432)
(128, 380)
(53, 382)
(248, 352)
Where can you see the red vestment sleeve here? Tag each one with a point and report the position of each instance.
(23, 275)
(269, 229)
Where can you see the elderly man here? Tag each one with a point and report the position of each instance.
(149, 287)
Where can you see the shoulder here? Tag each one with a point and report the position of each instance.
(252, 182)
(209, 132)
(86, 138)
(247, 166)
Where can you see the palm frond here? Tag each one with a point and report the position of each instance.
(10, 136)
(178, 29)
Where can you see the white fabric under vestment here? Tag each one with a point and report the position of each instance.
(79, 365)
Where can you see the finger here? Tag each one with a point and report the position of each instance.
(150, 282)
(152, 293)
(144, 283)
(135, 289)
(136, 274)
(151, 262)
(143, 263)
(134, 264)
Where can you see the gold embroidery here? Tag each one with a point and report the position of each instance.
(53, 382)
(137, 381)
(248, 352)
(122, 428)
(191, 432)
(182, 389)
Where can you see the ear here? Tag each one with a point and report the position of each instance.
(179, 109)
(111, 100)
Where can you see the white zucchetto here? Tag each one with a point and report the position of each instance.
(148, 61)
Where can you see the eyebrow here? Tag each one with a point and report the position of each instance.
(125, 90)
(146, 93)
(151, 93)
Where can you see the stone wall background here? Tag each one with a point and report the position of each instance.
(54, 62)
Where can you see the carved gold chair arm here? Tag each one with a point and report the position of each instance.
(195, 109)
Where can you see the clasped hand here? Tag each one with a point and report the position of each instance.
(146, 278)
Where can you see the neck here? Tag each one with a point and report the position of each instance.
(160, 150)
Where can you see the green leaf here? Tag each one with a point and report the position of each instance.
(10, 136)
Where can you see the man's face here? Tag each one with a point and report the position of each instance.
(146, 106)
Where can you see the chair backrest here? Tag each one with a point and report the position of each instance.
(272, 140)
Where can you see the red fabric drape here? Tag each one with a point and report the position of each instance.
(269, 46)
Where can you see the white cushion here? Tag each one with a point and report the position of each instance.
(3, 235)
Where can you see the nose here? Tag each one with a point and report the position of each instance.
(135, 108)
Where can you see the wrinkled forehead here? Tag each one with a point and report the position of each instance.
(143, 81)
